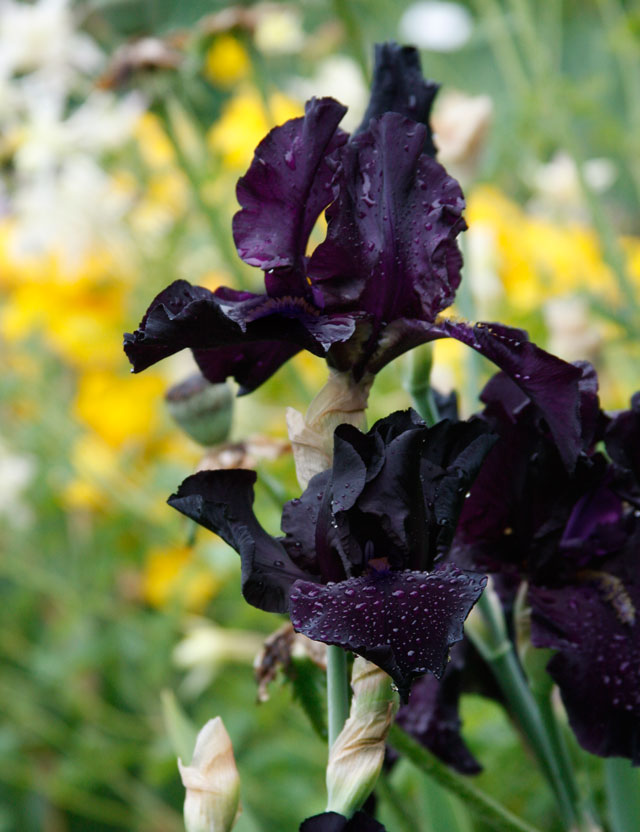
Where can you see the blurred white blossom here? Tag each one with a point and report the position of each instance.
(278, 30)
(339, 77)
(436, 25)
(17, 471)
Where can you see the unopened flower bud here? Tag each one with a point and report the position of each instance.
(356, 757)
(212, 802)
(203, 410)
(342, 400)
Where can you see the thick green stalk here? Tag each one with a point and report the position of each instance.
(489, 635)
(622, 783)
(337, 690)
(484, 806)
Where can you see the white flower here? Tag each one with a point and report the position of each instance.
(16, 473)
(338, 77)
(279, 31)
(436, 25)
(212, 802)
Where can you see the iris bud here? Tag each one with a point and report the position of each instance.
(203, 410)
(212, 802)
(356, 757)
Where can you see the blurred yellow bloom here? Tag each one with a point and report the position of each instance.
(79, 311)
(538, 258)
(174, 575)
(155, 147)
(245, 121)
(226, 61)
(116, 409)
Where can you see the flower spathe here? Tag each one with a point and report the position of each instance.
(357, 565)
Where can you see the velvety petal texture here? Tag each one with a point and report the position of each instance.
(247, 337)
(549, 382)
(398, 87)
(390, 249)
(222, 501)
(333, 822)
(286, 187)
(404, 622)
(355, 565)
(594, 624)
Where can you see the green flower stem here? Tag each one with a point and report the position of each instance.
(561, 752)
(496, 816)
(417, 384)
(353, 27)
(622, 783)
(337, 690)
(404, 817)
(489, 635)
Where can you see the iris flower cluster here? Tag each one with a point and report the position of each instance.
(574, 537)
(382, 554)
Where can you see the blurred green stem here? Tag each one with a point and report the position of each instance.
(353, 27)
(405, 819)
(485, 807)
(337, 690)
(218, 234)
(488, 632)
(417, 383)
(622, 783)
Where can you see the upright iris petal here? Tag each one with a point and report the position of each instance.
(390, 249)
(356, 564)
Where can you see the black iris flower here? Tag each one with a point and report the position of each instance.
(575, 538)
(375, 287)
(358, 565)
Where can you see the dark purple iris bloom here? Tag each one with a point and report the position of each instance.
(333, 822)
(357, 565)
(431, 715)
(375, 286)
(575, 537)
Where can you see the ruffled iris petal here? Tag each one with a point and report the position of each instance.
(222, 501)
(595, 626)
(404, 486)
(249, 364)
(399, 87)
(186, 316)
(286, 187)
(551, 383)
(404, 622)
(390, 249)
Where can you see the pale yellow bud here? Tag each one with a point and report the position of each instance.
(356, 757)
(212, 802)
(341, 400)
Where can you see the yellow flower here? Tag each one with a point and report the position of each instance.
(155, 147)
(226, 61)
(538, 258)
(245, 121)
(174, 576)
(117, 410)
